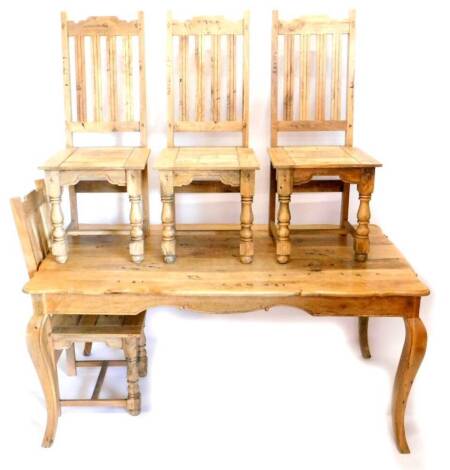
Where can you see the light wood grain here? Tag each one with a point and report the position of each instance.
(96, 164)
(97, 269)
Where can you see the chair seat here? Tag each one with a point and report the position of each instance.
(98, 158)
(118, 326)
(207, 158)
(309, 157)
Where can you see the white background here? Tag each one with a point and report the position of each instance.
(267, 390)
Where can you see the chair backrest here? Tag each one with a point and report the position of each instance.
(208, 49)
(32, 217)
(316, 70)
(108, 77)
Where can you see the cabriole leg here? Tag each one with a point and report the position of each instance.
(413, 352)
(363, 326)
(41, 352)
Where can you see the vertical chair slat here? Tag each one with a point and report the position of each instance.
(183, 81)
(199, 74)
(96, 79)
(288, 75)
(80, 78)
(231, 95)
(128, 72)
(304, 76)
(336, 84)
(215, 82)
(112, 78)
(320, 76)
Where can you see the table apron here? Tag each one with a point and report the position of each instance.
(132, 304)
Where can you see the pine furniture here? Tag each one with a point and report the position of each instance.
(213, 43)
(322, 278)
(61, 332)
(103, 46)
(316, 71)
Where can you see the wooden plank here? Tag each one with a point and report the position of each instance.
(336, 78)
(207, 187)
(66, 76)
(313, 25)
(94, 230)
(112, 78)
(97, 79)
(311, 125)
(183, 81)
(95, 269)
(100, 380)
(56, 160)
(97, 363)
(320, 186)
(215, 77)
(128, 77)
(80, 79)
(102, 26)
(207, 25)
(304, 76)
(113, 403)
(247, 158)
(199, 77)
(138, 159)
(98, 187)
(208, 126)
(231, 84)
(32, 263)
(320, 76)
(117, 126)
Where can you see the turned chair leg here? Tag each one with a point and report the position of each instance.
(146, 202)
(247, 188)
(363, 325)
(272, 199)
(412, 354)
(130, 348)
(71, 361)
(142, 356)
(345, 201)
(59, 247)
(87, 349)
(361, 236)
(134, 188)
(168, 217)
(284, 189)
(73, 207)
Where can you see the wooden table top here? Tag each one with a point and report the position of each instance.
(208, 265)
